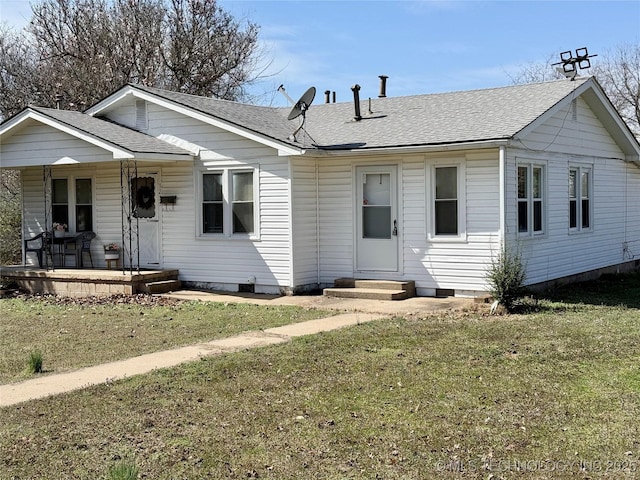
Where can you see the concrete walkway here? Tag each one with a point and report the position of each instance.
(45, 386)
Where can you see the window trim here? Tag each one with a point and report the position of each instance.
(531, 200)
(461, 236)
(72, 200)
(580, 169)
(227, 204)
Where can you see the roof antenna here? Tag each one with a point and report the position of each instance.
(284, 92)
(569, 62)
(300, 108)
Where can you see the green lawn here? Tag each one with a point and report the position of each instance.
(550, 394)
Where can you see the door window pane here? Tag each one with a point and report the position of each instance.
(376, 221)
(144, 200)
(376, 189)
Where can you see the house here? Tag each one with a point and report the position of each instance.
(424, 188)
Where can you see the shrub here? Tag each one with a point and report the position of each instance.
(505, 277)
(35, 362)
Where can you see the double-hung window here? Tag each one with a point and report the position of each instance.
(448, 207)
(531, 199)
(579, 198)
(228, 202)
(72, 203)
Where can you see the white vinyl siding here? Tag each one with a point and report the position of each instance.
(304, 222)
(447, 264)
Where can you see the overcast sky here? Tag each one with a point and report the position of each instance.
(423, 46)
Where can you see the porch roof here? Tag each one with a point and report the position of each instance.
(121, 142)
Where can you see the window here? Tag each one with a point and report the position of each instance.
(228, 205)
(579, 198)
(60, 201)
(242, 203)
(72, 206)
(447, 210)
(530, 199)
(446, 201)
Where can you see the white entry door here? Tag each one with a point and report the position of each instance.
(146, 199)
(377, 214)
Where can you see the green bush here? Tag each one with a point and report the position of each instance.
(35, 362)
(505, 277)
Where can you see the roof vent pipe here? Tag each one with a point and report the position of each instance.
(383, 86)
(326, 96)
(356, 101)
(334, 97)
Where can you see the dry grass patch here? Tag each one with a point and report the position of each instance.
(70, 334)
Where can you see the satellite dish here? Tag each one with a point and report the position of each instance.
(303, 104)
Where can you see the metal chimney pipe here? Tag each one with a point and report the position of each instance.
(334, 97)
(326, 96)
(356, 101)
(383, 86)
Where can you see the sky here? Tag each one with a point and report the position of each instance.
(427, 46)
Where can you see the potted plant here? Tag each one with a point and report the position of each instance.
(59, 229)
(111, 251)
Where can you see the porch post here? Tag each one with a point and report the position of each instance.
(130, 237)
(47, 238)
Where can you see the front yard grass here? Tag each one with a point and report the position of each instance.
(74, 334)
(553, 394)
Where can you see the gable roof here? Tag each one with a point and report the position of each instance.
(437, 119)
(122, 142)
(477, 117)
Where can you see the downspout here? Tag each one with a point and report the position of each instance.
(317, 222)
(503, 192)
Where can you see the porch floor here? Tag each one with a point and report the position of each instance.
(85, 282)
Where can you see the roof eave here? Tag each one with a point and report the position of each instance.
(424, 148)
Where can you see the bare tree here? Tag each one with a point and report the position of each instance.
(619, 74)
(617, 70)
(83, 50)
(18, 71)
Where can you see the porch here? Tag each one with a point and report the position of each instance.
(91, 282)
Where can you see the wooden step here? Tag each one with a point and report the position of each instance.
(366, 293)
(163, 286)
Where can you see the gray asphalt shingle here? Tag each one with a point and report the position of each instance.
(131, 140)
(444, 118)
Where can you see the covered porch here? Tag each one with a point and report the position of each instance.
(73, 282)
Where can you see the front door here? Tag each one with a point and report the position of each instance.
(377, 213)
(145, 191)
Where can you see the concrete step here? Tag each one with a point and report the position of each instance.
(163, 286)
(366, 293)
(409, 286)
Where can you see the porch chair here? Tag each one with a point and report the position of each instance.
(40, 244)
(81, 244)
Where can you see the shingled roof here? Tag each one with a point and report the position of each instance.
(122, 137)
(434, 119)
